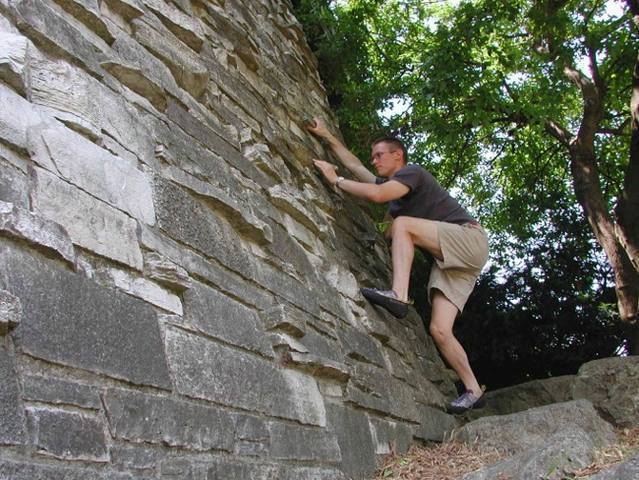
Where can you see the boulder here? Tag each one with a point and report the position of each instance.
(628, 470)
(519, 432)
(612, 385)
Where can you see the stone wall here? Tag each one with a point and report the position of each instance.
(178, 289)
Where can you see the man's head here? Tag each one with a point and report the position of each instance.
(388, 155)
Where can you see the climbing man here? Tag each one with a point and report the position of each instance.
(423, 215)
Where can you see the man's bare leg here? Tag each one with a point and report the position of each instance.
(443, 316)
(406, 233)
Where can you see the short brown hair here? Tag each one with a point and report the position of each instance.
(395, 142)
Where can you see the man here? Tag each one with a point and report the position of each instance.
(424, 216)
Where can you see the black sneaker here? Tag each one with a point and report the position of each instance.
(466, 401)
(386, 299)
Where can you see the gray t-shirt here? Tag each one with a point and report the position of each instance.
(426, 198)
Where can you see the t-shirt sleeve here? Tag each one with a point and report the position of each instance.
(411, 176)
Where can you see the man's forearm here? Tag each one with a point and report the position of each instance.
(350, 161)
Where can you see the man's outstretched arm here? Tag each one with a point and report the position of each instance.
(350, 161)
(381, 193)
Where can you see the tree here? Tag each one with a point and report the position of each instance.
(512, 101)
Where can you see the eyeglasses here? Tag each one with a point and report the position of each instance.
(377, 155)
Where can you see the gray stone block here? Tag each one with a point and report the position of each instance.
(13, 185)
(187, 28)
(360, 346)
(434, 425)
(164, 271)
(138, 417)
(70, 320)
(252, 437)
(12, 419)
(68, 435)
(136, 457)
(21, 223)
(190, 221)
(10, 312)
(99, 172)
(16, 117)
(22, 470)
(13, 60)
(89, 222)
(355, 441)
(291, 442)
(218, 315)
(376, 389)
(61, 392)
(205, 369)
(54, 32)
(390, 437)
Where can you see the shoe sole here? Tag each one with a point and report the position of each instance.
(397, 308)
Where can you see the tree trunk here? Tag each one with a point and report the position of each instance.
(589, 195)
(627, 210)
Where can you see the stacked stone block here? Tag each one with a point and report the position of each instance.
(178, 289)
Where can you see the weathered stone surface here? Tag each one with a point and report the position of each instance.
(22, 470)
(360, 346)
(289, 442)
(319, 366)
(375, 389)
(139, 418)
(136, 457)
(390, 437)
(12, 419)
(13, 184)
(518, 432)
(239, 213)
(50, 30)
(98, 172)
(183, 26)
(242, 380)
(434, 425)
(214, 273)
(59, 391)
(187, 69)
(68, 435)
(355, 441)
(217, 315)
(612, 385)
(90, 223)
(17, 116)
(555, 459)
(10, 312)
(59, 324)
(526, 395)
(628, 470)
(146, 290)
(13, 59)
(21, 223)
(252, 436)
(88, 12)
(284, 318)
(164, 271)
(209, 234)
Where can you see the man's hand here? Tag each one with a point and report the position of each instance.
(328, 170)
(318, 127)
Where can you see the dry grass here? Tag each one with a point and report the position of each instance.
(608, 457)
(446, 461)
(451, 460)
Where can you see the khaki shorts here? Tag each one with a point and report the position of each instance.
(465, 252)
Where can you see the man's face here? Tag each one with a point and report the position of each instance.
(386, 158)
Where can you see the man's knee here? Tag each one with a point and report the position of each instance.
(400, 225)
(440, 335)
